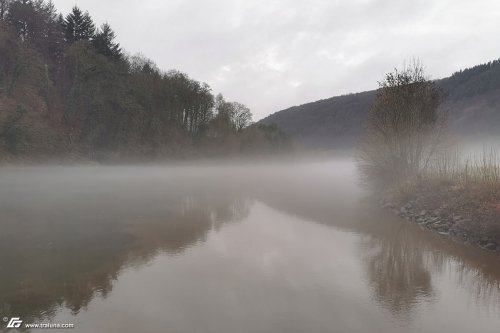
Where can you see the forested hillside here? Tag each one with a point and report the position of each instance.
(471, 97)
(67, 89)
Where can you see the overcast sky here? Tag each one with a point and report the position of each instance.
(273, 54)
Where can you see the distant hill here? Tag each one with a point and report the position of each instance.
(471, 96)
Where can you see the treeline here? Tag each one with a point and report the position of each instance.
(472, 81)
(66, 86)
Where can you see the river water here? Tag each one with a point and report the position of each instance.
(229, 248)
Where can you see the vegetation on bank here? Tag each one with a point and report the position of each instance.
(404, 156)
(68, 89)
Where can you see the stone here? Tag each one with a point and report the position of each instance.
(490, 246)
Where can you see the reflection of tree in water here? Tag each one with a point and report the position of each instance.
(479, 274)
(186, 223)
(396, 269)
(67, 257)
(399, 257)
(400, 260)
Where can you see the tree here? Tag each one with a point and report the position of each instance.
(52, 44)
(222, 125)
(403, 128)
(4, 6)
(78, 26)
(23, 17)
(36, 23)
(91, 98)
(242, 116)
(104, 42)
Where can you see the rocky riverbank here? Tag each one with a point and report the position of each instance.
(451, 212)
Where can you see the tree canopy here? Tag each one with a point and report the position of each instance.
(78, 26)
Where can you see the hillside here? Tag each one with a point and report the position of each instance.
(471, 97)
(68, 91)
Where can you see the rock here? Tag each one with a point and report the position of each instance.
(403, 210)
(490, 246)
(423, 212)
(444, 228)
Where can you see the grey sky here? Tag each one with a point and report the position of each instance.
(272, 54)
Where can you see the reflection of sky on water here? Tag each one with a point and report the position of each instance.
(228, 249)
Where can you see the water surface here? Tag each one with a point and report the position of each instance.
(262, 248)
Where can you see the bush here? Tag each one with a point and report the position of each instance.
(403, 129)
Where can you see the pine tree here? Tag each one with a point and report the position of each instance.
(78, 26)
(104, 42)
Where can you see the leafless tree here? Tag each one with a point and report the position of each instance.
(404, 126)
(241, 115)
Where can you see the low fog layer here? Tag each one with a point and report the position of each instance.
(207, 241)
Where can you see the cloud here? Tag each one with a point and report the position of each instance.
(272, 54)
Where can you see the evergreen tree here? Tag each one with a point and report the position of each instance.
(104, 42)
(78, 26)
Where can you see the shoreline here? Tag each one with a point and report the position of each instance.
(447, 216)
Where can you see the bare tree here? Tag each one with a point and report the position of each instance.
(242, 116)
(404, 126)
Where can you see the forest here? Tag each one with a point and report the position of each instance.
(68, 90)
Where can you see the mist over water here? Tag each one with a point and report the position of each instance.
(229, 248)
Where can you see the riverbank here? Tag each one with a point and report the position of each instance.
(468, 213)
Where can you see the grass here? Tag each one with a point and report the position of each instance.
(450, 166)
(465, 190)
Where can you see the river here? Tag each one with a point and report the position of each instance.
(229, 248)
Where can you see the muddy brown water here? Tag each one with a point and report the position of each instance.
(229, 248)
